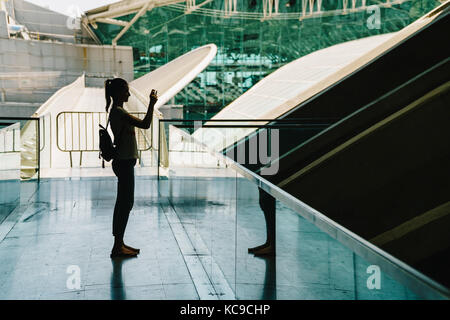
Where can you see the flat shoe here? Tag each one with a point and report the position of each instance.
(117, 254)
(132, 249)
(251, 250)
(266, 251)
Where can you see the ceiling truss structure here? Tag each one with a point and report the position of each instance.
(108, 13)
(310, 9)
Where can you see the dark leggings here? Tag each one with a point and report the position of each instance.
(124, 170)
(268, 206)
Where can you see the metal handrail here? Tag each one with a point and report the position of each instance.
(95, 121)
(290, 120)
(396, 268)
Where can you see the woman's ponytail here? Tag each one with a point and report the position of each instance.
(108, 93)
(113, 87)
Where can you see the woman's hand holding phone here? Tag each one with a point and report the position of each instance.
(153, 96)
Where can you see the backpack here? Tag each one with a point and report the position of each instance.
(107, 149)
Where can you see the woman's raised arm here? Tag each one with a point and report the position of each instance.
(146, 122)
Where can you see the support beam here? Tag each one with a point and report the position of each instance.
(118, 9)
(147, 6)
(112, 21)
(191, 6)
(269, 7)
(230, 6)
(125, 7)
(90, 32)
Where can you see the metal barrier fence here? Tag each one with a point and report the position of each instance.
(73, 124)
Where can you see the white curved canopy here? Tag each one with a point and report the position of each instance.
(172, 77)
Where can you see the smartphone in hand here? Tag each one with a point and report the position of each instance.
(153, 96)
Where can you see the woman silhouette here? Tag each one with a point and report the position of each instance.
(122, 125)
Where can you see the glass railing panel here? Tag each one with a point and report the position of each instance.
(202, 195)
(307, 263)
(202, 188)
(19, 146)
(19, 162)
(9, 168)
(204, 185)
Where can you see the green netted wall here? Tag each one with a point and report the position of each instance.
(248, 49)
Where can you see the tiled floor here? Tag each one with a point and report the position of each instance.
(193, 234)
(68, 222)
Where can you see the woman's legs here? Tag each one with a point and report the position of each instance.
(124, 170)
